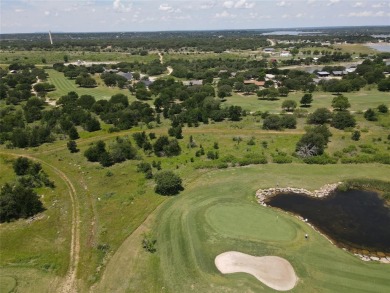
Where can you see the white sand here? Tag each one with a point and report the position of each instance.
(273, 271)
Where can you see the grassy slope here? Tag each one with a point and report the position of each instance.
(188, 240)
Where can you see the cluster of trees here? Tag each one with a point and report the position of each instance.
(112, 79)
(18, 199)
(207, 69)
(279, 122)
(16, 87)
(198, 103)
(153, 67)
(313, 142)
(123, 115)
(118, 151)
(341, 118)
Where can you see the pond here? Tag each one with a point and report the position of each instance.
(355, 219)
(381, 47)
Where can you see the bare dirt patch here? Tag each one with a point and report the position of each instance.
(275, 272)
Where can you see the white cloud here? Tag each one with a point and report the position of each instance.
(224, 14)
(368, 14)
(379, 5)
(168, 8)
(207, 5)
(300, 15)
(311, 1)
(165, 7)
(238, 4)
(228, 4)
(332, 2)
(121, 7)
(358, 4)
(244, 4)
(283, 4)
(18, 10)
(47, 12)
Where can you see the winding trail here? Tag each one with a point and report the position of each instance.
(69, 285)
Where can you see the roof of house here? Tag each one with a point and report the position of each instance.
(255, 82)
(323, 73)
(337, 72)
(146, 82)
(126, 75)
(193, 82)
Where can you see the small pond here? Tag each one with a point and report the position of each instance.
(354, 219)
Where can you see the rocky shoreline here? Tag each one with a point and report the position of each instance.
(263, 194)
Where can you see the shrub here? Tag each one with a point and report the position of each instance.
(383, 108)
(342, 120)
(370, 115)
(361, 159)
(324, 159)
(168, 183)
(281, 159)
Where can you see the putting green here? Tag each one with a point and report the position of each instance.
(249, 222)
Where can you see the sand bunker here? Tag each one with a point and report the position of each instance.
(273, 271)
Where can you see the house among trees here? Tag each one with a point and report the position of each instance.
(193, 82)
(255, 82)
(127, 75)
(285, 54)
(268, 50)
(323, 73)
(338, 73)
(146, 82)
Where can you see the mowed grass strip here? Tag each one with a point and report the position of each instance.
(64, 85)
(188, 242)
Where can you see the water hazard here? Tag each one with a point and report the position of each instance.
(355, 219)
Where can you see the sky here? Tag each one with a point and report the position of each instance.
(29, 16)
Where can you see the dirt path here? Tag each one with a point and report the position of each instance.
(69, 284)
(273, 43)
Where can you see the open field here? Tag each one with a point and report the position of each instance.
(360, 101)
(218, 213)
(35, 57)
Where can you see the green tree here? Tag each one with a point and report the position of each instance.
(306, 100)
(319, 116)
(272, 122)
(289, 105)
(342, 120)
(73, 134)
(72, 146)
(21, 166)
(168, 183)
(370, 115)
(18, 201)
(340, 103)
(383, 108)
(355, 135)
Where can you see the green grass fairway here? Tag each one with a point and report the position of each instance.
(242, 221)
(64, 85)
(218, 213)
